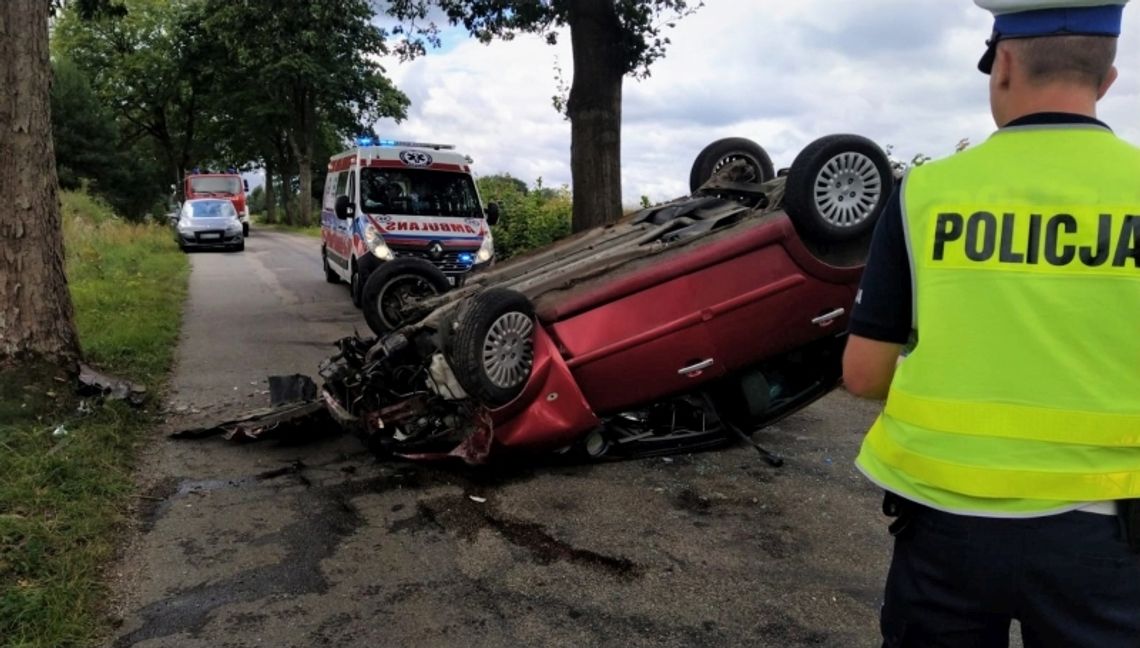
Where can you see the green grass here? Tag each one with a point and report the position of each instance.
(311, 230)
(63, 497)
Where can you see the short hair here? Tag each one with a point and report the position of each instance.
(1085, 60)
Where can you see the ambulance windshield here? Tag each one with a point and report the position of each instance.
(418, 192)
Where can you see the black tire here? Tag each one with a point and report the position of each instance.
(330, 275)
(240, 247)
(355, 286)
(849, 208)
(509, 317)
(245, 230)
(726, 150)
(394, 286)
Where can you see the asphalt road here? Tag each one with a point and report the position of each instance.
(315, 543)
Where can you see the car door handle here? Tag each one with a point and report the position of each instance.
(828, 318)
(696, 368)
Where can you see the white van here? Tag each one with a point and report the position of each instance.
(408, 204)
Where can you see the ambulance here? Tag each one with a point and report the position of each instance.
(414, 204)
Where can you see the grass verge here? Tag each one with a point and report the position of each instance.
(309, 230)
(65, 491)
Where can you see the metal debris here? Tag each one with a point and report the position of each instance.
(254, 425)
(94, 383)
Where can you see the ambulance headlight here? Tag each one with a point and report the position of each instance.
(375, 242)
(486, 250)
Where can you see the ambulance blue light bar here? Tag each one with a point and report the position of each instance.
(368, 141)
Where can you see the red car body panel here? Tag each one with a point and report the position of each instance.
(551, 411)
(627, 341)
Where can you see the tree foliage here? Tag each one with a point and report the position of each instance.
(642, 24)
(611, 39)
(316, 75)
(241, 83)
(89, 150)
(143, 63)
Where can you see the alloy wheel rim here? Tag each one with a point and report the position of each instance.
(508, 350)
(847, 189)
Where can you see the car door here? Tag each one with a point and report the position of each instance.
(763, 303)
(636, 348)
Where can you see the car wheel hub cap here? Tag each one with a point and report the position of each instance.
(847, 189)
(508, 350)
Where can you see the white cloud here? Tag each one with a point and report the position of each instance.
(901, 72)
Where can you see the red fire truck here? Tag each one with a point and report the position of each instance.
(220, 185)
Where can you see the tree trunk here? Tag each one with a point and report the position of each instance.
(305, 195)
(36, 323)
(594, 108)
(284, 161)
(270, 194)
(301, 140)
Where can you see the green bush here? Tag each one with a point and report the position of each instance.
(531, 218)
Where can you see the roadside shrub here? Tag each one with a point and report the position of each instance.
(531, 217)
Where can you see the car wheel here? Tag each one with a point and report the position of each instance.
(724, 151)
(330, 275)
(393, 290)
(492, 351)
(354, 287)
(240, 247)
(837, 187)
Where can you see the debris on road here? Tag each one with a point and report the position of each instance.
(95, 383)
(293, 410)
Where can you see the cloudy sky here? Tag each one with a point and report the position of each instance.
(780, 72)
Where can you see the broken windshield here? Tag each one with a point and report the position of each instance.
(418, 192)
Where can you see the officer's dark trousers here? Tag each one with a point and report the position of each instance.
(958, 581)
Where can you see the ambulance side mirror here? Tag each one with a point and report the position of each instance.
(246, 184)
(492, 214)
(343, 208)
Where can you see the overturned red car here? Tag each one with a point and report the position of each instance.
(682, 327)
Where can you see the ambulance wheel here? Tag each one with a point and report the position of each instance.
(395, 288)
(245, 230)
(330, 275)
(492, 351)
(716, 156)
(837, 187)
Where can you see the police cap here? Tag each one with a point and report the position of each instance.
(1035, 18)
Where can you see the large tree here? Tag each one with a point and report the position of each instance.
(143, 61)
(305, 68)
(36, 323)
(610, 39)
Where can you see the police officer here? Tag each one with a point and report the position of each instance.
(1009, 444)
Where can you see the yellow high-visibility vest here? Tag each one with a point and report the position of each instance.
(1023, 392)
